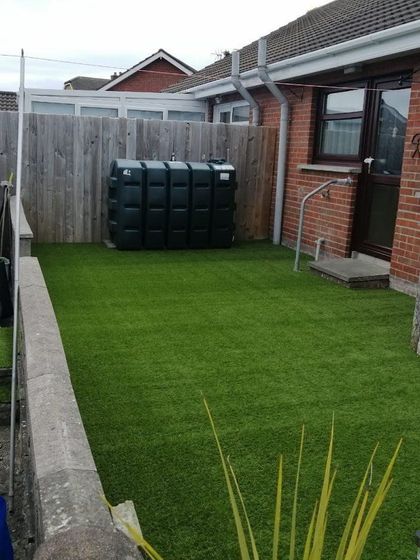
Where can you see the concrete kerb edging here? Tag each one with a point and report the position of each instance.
(67, 488)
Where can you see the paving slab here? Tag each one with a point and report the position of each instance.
(352, 272)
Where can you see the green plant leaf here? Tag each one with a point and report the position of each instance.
(295, 499)
(346, 533)
(277, 510)
(250, 531)
(134, 533)
(308, 543)
(358, 524)
(380, 495)
(243, 545)
(320, 524)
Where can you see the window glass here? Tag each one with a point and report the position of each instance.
(393, 116)
(185, 116)
(240, 114)
(52, 108)
(98, 112)
(344, 102)
(139, 114)
(224, 117)
(341, 137)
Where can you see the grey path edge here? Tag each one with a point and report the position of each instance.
(70, 515)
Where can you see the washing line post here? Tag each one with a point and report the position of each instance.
(16, 284)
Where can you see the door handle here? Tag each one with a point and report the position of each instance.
(369, 160)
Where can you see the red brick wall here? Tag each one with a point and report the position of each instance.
(159, 75)
(332, 217)
(405, 262)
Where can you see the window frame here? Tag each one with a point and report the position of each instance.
(121, 101)
(228, 108)
(154, 110)
(185, 111)
(322, 116)
(98, 106)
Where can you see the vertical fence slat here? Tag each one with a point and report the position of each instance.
(29, 197)
(78, 180)
(131, 139)
(44, 163)
(164, 149)
(195, 141)
(238, 139)
(68, 233)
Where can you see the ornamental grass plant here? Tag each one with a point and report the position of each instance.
(350, 545)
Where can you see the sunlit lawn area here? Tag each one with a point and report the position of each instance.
(147, 333)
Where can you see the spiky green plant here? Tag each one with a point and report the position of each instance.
(358, 525)
(356, 530)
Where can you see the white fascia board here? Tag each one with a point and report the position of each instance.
(391, 42)
(143, 64)
(108, 94)
(174, 101)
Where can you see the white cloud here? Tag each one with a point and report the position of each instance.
(125, 32)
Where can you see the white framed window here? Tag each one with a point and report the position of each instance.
(53, 108)
(236, 112)
(186, 116)
(92, 111)
(137, 105)
(144, 114)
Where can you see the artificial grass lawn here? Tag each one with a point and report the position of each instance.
(6, 334)
(146, 333)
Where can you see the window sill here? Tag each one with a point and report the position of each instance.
(329, 168)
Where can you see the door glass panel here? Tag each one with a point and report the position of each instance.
(341, 137)
(383, 212)
(393, 115)
(345, 102)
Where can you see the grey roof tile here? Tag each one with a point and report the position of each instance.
(331, 24)
(8, 101)
(86, 83)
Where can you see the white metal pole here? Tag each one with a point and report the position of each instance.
(16, 281)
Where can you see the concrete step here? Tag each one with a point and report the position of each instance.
(353, 273)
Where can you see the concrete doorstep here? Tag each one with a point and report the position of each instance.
(352, 273)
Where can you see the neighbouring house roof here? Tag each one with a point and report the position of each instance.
(160, 54)
(84, 82)
(8, 101)
(334, 23)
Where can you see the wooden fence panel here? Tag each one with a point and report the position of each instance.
(8, 144)
(66, 163)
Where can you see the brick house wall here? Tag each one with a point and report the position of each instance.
(328, 217)
(405, 261)
(158, 75)
(332, 217)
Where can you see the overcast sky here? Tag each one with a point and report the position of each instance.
(125, 32)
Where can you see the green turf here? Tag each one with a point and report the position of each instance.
(6, 334)
(146, 333)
